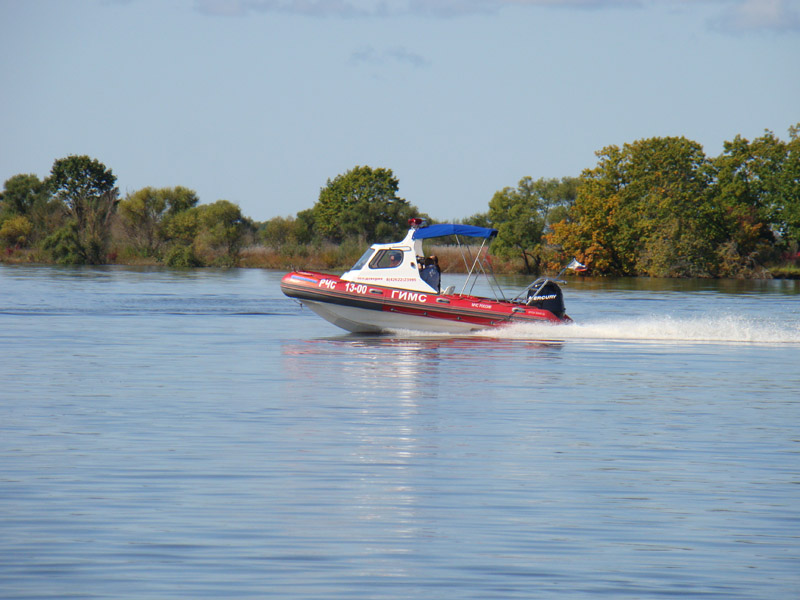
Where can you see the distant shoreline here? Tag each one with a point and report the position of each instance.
(262, 257)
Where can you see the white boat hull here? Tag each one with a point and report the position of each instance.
(360, 320)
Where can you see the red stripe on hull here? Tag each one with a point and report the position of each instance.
(476, 311)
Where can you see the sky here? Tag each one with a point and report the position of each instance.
(261, 102)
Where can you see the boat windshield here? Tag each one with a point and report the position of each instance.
(386, 259)
(363, 260)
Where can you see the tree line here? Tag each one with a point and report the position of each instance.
(75, 216)
(654, 207)
(661, 207)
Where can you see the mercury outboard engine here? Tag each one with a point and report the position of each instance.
(546, 294)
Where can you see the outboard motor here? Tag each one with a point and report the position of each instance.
(546, 294)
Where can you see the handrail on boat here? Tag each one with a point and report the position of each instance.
(481, 264)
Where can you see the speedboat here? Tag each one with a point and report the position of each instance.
(395, 287)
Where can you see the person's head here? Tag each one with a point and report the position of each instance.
(395, 258)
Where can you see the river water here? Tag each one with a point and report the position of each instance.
(196, 434)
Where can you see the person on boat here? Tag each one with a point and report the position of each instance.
(430, 272)
(395, 258)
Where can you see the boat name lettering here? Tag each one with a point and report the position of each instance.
(327, 283)
(481, 305)
(412, 296)
(358, 289)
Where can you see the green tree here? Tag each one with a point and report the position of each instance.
(304, 226)
(788, 187)
(64, 244)
(21, 193)
(758, 184)
(477, 220)
(361, 203)
(141, 214)
(522, 214)
(26, 197)
(144, 213)
(741, 192)
(222, 230)
(205, 234)
(279, 232)
(178, 199)
(667, 200)
(180, 231)
(86, 189)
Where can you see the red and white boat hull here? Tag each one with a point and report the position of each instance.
(365, 308)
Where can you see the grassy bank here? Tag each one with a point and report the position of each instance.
(786, 271)
(328, 258)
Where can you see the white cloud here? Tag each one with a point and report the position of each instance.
(221, 8)
(735, 16)
(598, 4)
(311, 8)
(760, 15)
(389, 8)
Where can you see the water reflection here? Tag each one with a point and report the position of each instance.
(403, 367)
(366, 426)
(383, 412)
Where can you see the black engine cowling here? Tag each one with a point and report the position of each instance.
(547, 295)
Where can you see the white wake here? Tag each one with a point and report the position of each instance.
(716, 328)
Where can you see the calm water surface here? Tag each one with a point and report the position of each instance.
(168, 434)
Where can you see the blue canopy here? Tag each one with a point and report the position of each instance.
(432, 231)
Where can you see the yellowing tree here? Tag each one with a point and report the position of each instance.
(645, 210)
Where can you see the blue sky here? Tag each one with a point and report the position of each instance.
(260, 102)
